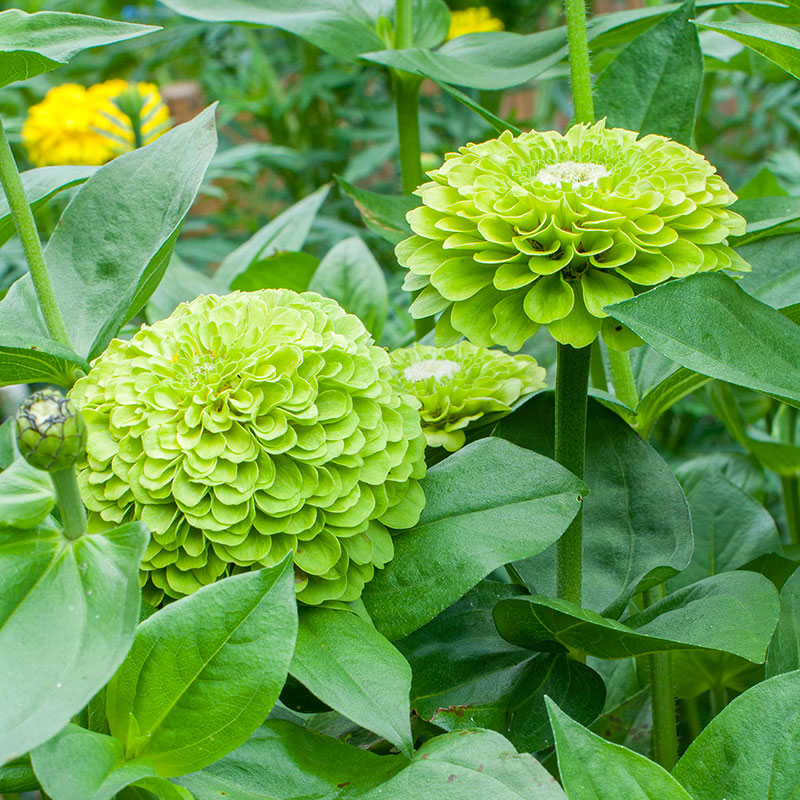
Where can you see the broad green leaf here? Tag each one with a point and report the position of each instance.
(27, 353)
(593, 769)
(385, 214)
(68, 611)
(26, 495)
(730, 529)
(283, 761)
(698, 671)
(467, 676)
(765, 216)
(111, 247)
(708, 324)
(775, 279)
(735, 612)
(496, 60)
(630, 722)
(284, 270)
(204, 672)
(40, 185)
(180, 284)
(636, 528)
(763, 184)
(350, 275)
(31, 44)
(750, 749)
(779, 44)
(780, 457)
(784, 650)
(342, 27)
(652, 86)
(77, 764)
(347, 664)
(664, 395)
(488, 504)
(288, 231)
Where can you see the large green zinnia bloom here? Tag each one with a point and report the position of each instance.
(246, 426)
(459, 385)
(545, 229)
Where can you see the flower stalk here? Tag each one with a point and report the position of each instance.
(622, 375)
(73, 514)
(790, 485)
(31, 245)
(579, 65)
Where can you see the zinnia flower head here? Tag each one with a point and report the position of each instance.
(76, 125)
(244, 427)
(459, 385)
(547, 229)
(472, 20)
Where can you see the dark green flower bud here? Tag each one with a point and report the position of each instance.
(51, 433)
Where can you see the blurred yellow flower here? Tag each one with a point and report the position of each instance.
(472, 20)
(76, 125)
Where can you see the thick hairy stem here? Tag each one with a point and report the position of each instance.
(579, 65)
(31, 245)
(73, 514)
(572, 384)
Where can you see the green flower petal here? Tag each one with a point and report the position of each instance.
(549, 299)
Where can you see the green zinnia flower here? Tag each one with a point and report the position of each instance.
(458, 385)
(545, 229)
(245, 426)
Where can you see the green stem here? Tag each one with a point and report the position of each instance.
(598, 368)
(31, 246)
(572, 383)
(790, 486)
(662, 698)
(691, 715)
(622, 375)
(73, 514)
(406, 98)
(579, 64)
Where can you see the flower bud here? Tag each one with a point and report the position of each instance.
(51, 434)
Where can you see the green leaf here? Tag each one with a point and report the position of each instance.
(385, 214)
(286, 762)
(498, 124)
(350, 275)
(730, 529)
(77, 764)
(17, 776)
(467, 676)
(708, 324)
(40, 185)
(630, 722)
(111, 246)
(593, 769)
(750, 749)
(31, 44)
(342, 27)
(636, 528)
(27, 353)
(234, 639)
(347, 664)
(288, 231)
(652, 86)
(775, 279)
(68, 611)
(784, 650)
(26, 495)
(495, 60)
(698, 671)
(180, 284)
(488, 504)
(285, 270)
(765, 216)
(779, 44)
(664, 395)
(735, 612)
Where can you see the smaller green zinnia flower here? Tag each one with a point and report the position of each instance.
(461, 384)
(51, 434)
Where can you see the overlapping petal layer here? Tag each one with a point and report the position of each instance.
(547, 229)
(246, 426)
(462, 384)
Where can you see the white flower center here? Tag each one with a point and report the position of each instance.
(437, 368)
(575, 172)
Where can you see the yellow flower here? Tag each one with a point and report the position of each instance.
(472, 20)
(75, 125)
